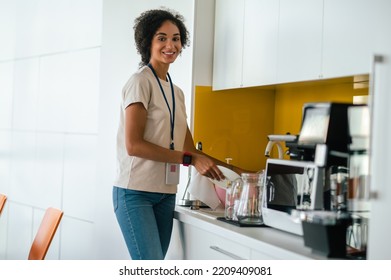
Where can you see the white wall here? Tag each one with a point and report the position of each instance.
(49, 99)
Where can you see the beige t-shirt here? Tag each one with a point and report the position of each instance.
(137, 173)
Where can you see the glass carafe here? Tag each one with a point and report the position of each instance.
(249, 208)
(232, 198)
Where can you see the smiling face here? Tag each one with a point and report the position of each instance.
(166, 45)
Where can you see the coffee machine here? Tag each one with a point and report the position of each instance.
(324, 139)
(335, 136)
(324, 135)
(316, 173)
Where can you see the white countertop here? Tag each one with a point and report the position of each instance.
(273, 242)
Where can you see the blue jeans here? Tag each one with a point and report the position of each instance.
(146, 221)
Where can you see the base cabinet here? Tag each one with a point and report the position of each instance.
(258, 255)
(199, 236)
(199, 244)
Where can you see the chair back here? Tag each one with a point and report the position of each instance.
(3, 199)
(45, 234)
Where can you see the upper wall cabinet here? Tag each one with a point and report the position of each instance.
(279, 41)
(299, 40)
(260, 42)
(350, 28)
(228, 45)
(245, 49)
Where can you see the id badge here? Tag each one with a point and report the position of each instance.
(172, 174)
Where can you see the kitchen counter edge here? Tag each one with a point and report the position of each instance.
(269, 241)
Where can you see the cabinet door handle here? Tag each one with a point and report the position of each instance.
(376, 60)
(224, 252)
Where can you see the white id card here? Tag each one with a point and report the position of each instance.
(172, 174)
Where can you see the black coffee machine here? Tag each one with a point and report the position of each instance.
(324, 139)
(335, 136)
(324, 126)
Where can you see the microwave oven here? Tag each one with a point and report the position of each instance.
(290, 187)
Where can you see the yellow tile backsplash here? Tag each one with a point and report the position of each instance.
(235, 123)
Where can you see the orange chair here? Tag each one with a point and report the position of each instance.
(3, 199)
(45, 234)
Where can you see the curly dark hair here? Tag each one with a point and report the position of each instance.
(146, 25)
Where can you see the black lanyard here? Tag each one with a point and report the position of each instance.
(172, 114)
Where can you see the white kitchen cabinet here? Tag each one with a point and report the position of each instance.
(299, 40)
(245, 51)
(273, 42)
(266, 42)
(199, 244)
(350, 28)
(260, 42)
(228, 44)
(202, 237)
(258, 255)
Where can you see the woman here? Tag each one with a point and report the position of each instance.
(153, 139)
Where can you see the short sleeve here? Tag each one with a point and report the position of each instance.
(137, 89)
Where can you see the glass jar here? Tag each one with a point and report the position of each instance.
(232, 198)
(249, 206)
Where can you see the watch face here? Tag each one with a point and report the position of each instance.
(186, 159)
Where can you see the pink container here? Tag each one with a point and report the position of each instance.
(220, 194)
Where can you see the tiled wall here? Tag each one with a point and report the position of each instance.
(49, 98)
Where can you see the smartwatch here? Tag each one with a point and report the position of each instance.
(187, 158)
